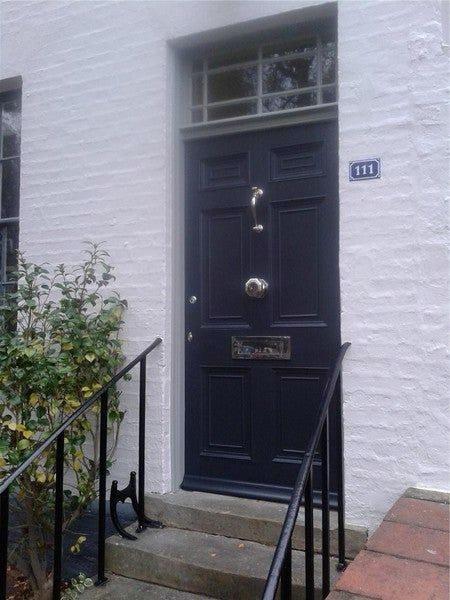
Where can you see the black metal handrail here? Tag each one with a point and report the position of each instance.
(58, 436)
(281, 568)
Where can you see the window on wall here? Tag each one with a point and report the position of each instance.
(272, 77)
(10, 122)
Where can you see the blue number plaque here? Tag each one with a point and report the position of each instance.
(364, 169)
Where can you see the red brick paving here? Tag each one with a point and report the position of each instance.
(421, 513)
(407, 558)
(408, 541)
(347, 596)
(390, 578)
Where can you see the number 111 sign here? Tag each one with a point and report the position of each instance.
(364, 169)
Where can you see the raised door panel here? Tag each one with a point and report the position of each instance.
(297, 395)
(226, 412)
(221, 172)
(297, 162)
(224, 249)
(295, 256)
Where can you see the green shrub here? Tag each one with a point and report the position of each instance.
(59, 343)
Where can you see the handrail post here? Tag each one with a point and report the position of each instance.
(4, 524)
(59, 517)
(286, 574)
(141, 460)
(324, 451)
(309, 537)
(340, 477)
(101, 578)
(58, 436)
(303, 487)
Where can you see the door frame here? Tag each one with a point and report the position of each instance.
(178, 135)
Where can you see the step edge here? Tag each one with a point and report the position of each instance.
(182, 516)
(124, 544)
(298, 584)
(317, 512)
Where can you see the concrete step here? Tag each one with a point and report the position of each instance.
(244, 519)
(213, 565)
(118, 588)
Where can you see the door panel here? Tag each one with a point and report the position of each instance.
(295, 256)
(226, 412)
(295, 413)
(295, 162)
(221, 283)
(248, 420)
(226, 171)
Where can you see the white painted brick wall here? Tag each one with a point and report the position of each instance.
(394, 256)
(96, 164)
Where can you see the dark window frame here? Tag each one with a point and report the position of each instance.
(9, 223)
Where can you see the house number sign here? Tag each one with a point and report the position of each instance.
(365, 169)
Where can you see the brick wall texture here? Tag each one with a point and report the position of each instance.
(98, 164)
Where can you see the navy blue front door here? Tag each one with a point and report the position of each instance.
(248, 420)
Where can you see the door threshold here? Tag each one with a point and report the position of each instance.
(243, 489)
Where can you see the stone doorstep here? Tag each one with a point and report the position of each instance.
(428, 495)
(213, 565)
(118, 588)
(252, 520)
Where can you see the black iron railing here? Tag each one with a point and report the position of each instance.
(280, 573)
(129, 492)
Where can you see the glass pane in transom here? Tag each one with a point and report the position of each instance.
(197, 115)
(197, 89)
(232, 58)
(289, 74)
(328, 62)
(289, 47)
(232, 84)
(329, 95)
(275, 103)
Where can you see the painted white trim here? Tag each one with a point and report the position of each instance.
(177, 318)
(309, 114)
(261, 96)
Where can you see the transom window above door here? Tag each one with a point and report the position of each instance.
(273, 77)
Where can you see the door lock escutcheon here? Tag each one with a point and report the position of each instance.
(256, 287)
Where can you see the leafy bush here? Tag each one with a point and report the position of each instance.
(59, 344)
